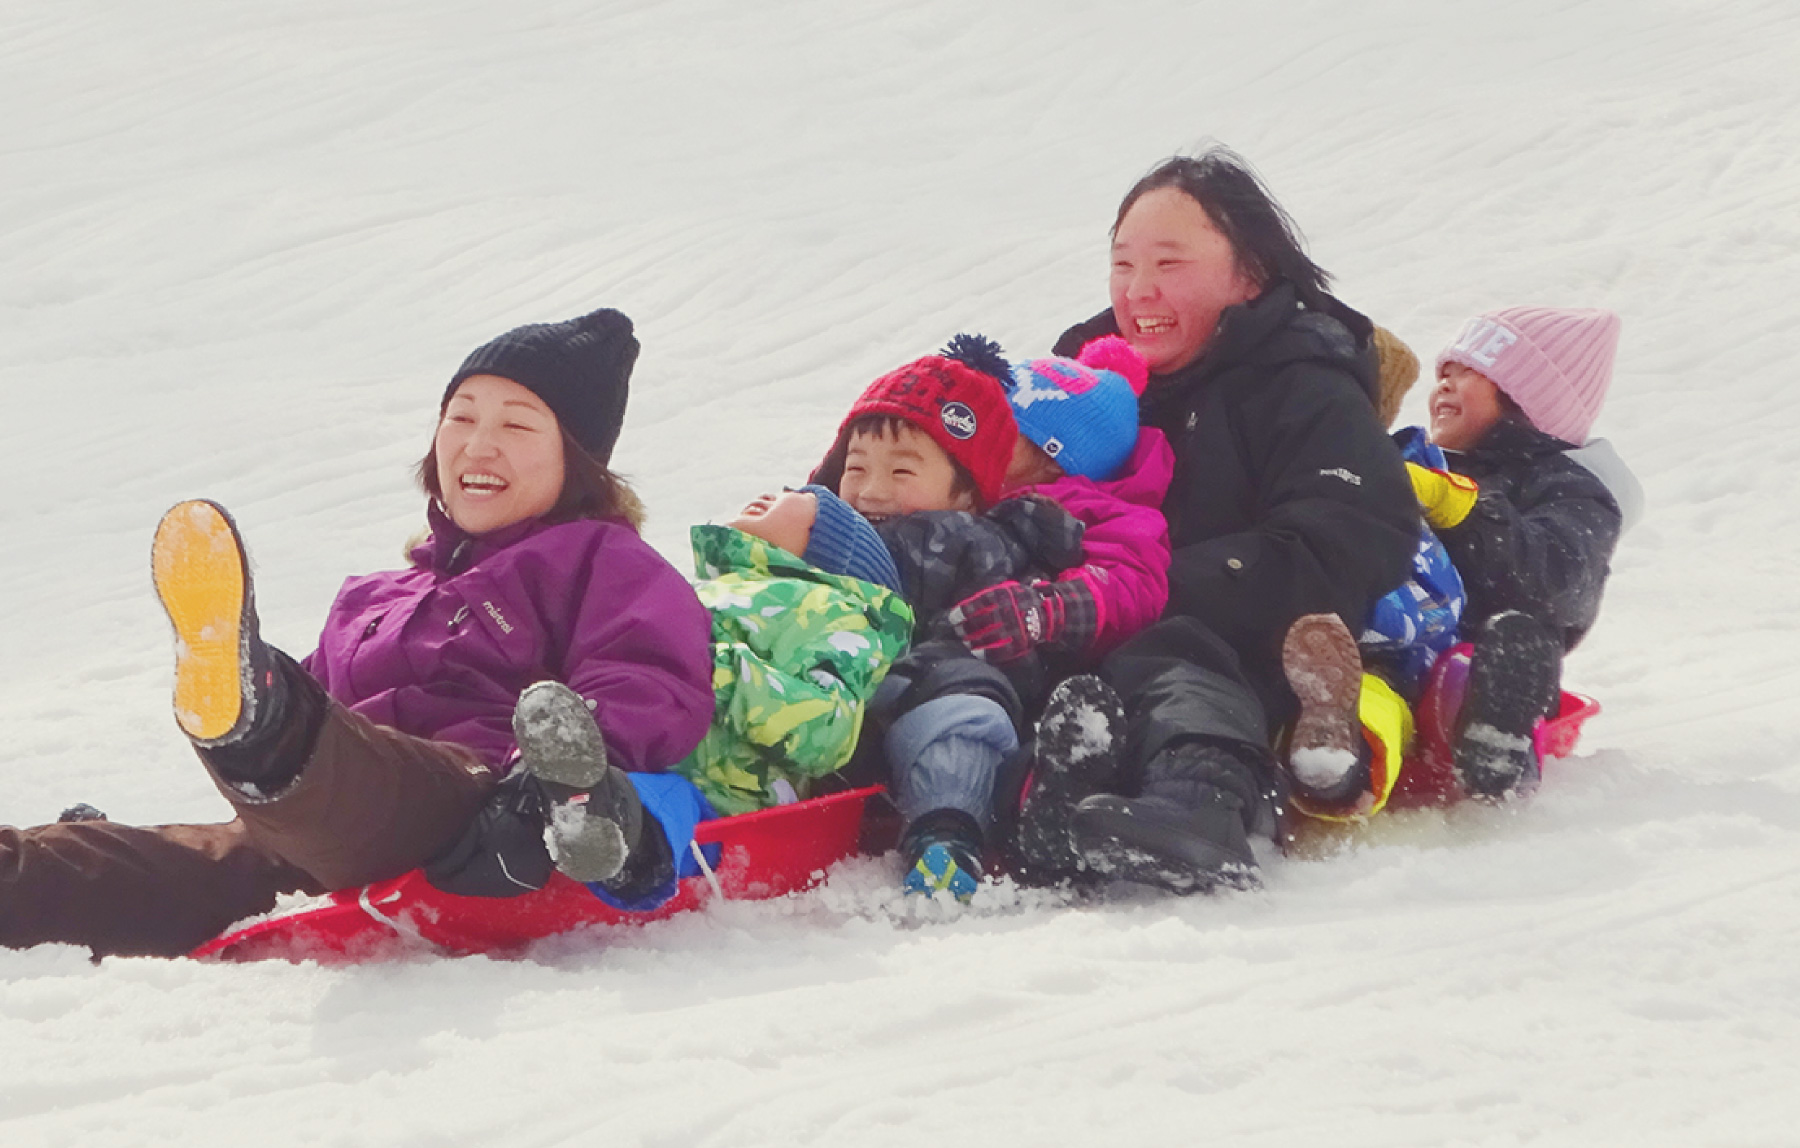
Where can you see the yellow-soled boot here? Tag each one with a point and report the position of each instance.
(203, 580)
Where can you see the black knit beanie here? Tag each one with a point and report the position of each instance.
(580, 368)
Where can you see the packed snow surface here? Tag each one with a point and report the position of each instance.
(246, 244)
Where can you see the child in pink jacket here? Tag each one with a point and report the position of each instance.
(1080, 445)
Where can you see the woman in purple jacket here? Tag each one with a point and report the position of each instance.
(532, 605)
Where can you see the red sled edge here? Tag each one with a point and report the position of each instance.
(1558, 736)
(762, 855)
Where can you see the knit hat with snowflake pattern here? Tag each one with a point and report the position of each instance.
(1082, 412)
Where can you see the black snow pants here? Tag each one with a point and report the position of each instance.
(1180, 684)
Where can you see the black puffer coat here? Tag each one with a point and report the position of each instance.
(1288, 497)
(1541, 536)
(944, 556)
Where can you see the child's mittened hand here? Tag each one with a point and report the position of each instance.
(1444, 498)
(1004, 623)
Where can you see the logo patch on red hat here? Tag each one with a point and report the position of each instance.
(959, 420)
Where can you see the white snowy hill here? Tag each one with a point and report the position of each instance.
(245, 244)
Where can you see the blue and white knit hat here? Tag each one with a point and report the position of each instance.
(843, 542)
(1082, 412)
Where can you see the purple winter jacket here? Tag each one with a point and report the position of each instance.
(441, 650)
(1127, 539)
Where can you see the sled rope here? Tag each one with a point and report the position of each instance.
(405, 928)
(711, 877)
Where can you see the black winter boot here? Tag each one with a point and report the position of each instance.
(267, 757)
(649, 867)
(1515, 677)
(502, 852)
(1077, 748)
(1188, 830)
(592, 816)
(224, 682)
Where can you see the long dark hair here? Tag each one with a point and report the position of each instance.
(1263, 237)
(589, 488)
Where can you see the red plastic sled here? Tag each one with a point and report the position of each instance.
(1427, 777)
(762, 855)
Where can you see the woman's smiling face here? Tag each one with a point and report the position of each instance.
(499, 455)
(1173, 272)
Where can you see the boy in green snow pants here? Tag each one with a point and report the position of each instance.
(806, 620)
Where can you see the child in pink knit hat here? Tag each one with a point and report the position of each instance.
(1550, 366)
(1530, 510)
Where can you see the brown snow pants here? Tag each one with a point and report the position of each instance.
(369, 804)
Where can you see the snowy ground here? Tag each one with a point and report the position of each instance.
(245, 244)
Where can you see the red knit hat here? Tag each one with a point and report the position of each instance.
(1555, 363)
(961, 406)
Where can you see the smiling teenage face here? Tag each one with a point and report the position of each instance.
(499, 455)
(1173, 272)
(1465, 405)
(899, 471)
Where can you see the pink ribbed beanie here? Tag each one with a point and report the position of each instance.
(1555, 363)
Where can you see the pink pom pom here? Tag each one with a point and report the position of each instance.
(1113, 353)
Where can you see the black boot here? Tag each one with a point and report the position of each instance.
(1515, 676)
(592, 816)
(249, 709)
(1188, 832)
(502, 852)
(267, 756)
(1076, 756)
(649, 867)
(223, 674)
